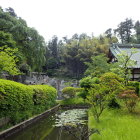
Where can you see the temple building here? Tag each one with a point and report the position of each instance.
(115, 49)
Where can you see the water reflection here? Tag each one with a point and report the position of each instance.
(61, 126)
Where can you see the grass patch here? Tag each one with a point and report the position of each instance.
(116, 125)
(71, 101)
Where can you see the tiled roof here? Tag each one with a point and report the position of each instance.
(118, 48)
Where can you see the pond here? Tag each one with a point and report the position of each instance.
(64, 125)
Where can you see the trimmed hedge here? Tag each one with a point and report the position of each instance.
(19, 101)
(15, 100)
(43, 97)
(70, 92)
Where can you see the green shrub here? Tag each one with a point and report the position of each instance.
(83, 94)
(130, 99)
(114, 103)
(111, 77)
(70, 92)
(115, 84)
(136, 85)
(87, 82)
(15, 97)
(44, 97)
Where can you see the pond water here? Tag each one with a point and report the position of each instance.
(64, 125)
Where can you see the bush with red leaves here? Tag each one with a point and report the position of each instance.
(130, 99)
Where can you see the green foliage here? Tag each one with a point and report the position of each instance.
(114, 85)
(6, 40)
(101, 92)
(30, 44)
(97, 66)
(113, 82)
(68, 83)
(130, 99)
(8, 62)
(136, 85)
(113, 103)
(96, 80)
(70, 92)
(99, 98)
(53, 55)
(124, 30)
(74, 52)
(43, 97)
(124, 64)
(15, 99)
(107, 77)
(115, 125)
(88, 81)
(19, 102)
(136, 37)
(8, 54)
(83, 94)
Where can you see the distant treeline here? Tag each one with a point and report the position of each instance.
(63, 58)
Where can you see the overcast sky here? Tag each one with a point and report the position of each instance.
(66, 17)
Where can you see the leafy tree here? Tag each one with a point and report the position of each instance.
(67, 57)
(79, 49)
(54, 56)
(7, 43)
(86, 84)
(6, 40)
(115, 85)
(98, 66)
(11, 11)
(113, 82)
(101, 92)
(124, 30)
(137, 30)
(108, 33)
(29, 43)
(98, 98)
(72, 58)
(8, 62)
(9, 54)
(53, 52)
(35, 50)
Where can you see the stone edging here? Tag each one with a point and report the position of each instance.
(24, 124)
